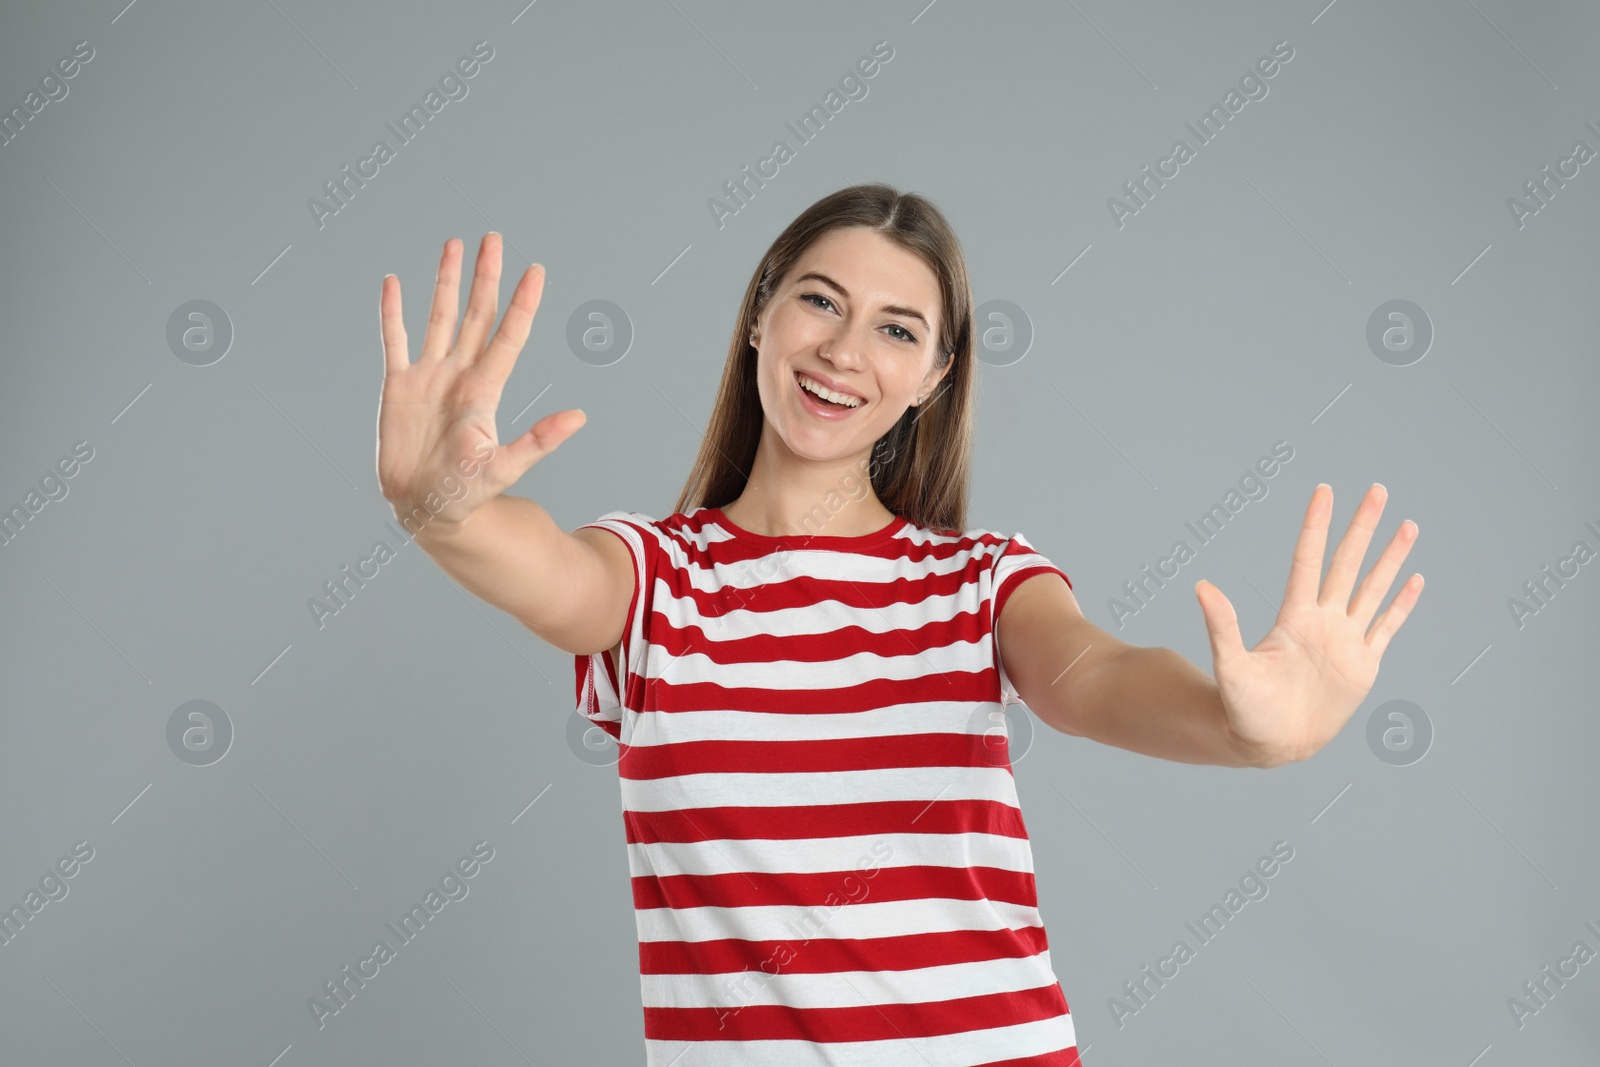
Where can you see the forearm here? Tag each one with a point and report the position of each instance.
(510, 553)
(1154, 701)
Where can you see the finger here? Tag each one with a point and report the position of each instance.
(1399, 610)
(392, 327)
(542, 438)
(501, 354)
(1352, 547)
(483, 301)
(1376, 585)
(446, 294)
(1305, 571)
(1222, 623)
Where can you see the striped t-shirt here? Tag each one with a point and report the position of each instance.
(829, 860)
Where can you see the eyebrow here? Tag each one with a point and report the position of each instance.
(893, 309)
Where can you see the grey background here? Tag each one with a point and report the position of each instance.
(1228, 314)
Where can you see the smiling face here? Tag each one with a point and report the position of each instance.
(858, 314)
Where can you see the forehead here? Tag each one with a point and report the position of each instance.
(873, 270)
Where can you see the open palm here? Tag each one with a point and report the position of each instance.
(1295, 690)
(438, 449)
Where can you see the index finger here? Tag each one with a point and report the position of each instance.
(508, 340)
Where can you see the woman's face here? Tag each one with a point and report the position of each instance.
(859, 312)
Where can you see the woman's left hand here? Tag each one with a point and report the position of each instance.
(1295, 690)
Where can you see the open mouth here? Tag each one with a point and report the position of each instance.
(821, 405)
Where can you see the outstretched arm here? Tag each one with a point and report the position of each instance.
(1279, 702)
(1082, 681)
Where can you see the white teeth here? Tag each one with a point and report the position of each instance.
(809, 384)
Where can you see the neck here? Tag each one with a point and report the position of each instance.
(798, 496)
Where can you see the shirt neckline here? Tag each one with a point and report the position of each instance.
(829, 541)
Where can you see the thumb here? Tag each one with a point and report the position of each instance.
(542, 438)
(1222, 623)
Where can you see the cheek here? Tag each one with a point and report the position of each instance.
(771, 383)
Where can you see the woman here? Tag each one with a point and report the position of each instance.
(804, 668)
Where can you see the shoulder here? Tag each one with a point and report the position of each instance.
(977, 542)
(677, 536)
(944, 552)
(1003, 558)
(676, 524)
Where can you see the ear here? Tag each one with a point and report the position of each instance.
(930, 384)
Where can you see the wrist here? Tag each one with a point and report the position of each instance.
(1261, 757)
(427, 527)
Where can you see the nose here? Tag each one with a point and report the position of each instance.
(844, 347)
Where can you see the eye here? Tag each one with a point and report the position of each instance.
(908, 337)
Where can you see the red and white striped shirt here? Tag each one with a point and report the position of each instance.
(829, 860)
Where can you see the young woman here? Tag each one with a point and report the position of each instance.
(803, 663)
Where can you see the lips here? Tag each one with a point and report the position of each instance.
(829, 383)
(820, 408)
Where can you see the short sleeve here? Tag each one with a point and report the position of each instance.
(602, 687)
(1016, 561)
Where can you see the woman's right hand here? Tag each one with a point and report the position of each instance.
(437, 446)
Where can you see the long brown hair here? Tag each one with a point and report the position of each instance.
(920, 467)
